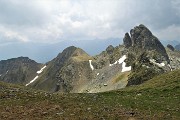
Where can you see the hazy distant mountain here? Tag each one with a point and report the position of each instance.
(171, 42)
(177, 47)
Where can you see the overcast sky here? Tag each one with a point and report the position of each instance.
(40, 29)
(51, 21)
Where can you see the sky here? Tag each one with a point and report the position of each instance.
(48, 22)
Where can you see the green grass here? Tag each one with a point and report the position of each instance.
(158, 98)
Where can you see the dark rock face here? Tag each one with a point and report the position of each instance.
(142, 38)
(170, 47)
(127, 41)
(145, 48)
(18, 70)
(110, 49)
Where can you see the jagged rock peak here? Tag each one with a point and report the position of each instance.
(143, 39)
(110, 49)
(127, 40)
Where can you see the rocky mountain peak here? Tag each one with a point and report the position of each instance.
(110, 49)
(142, 38)
(127, 40)
(71, 51)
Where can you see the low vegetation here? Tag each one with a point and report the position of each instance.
(157, 98)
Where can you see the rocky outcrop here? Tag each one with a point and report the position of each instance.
(18, 70)
(146, 55)
(127, 40)
(142, 39)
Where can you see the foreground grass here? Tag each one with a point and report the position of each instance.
(158, 98)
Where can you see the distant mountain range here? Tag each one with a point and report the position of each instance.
(177, 47)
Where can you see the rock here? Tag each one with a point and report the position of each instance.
(127, 41)
(110, 49)
(170, 47)
(142, 39)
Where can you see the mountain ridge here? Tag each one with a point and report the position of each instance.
(140, 58)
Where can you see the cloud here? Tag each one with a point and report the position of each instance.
(51, 21)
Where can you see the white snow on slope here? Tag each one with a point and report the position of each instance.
(121, 60)
(91, 66)
(158, 64)
(170, 67)
(32, 80)
(40, 71)
(124, 68)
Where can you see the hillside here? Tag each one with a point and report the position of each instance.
(157, 98)
(19, 70)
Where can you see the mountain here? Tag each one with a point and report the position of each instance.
(146, 55)
(141, 57)
(177, 47)
(18, 70)
(66, 69)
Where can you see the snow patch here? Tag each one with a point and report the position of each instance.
(158, 64)
(97, 73)
(32, 80)
(121, 60)
(170, 67)
(40, 71)
(7, 71)
(124, 68)
(91, 66)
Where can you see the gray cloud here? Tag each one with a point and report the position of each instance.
(56, 20)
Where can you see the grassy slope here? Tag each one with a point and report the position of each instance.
(158, 98)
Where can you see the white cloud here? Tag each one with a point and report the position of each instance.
(11, 36)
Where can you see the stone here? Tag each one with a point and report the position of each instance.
(127, 41)
(110, 49)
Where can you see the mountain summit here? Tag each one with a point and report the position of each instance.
(142, 38)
